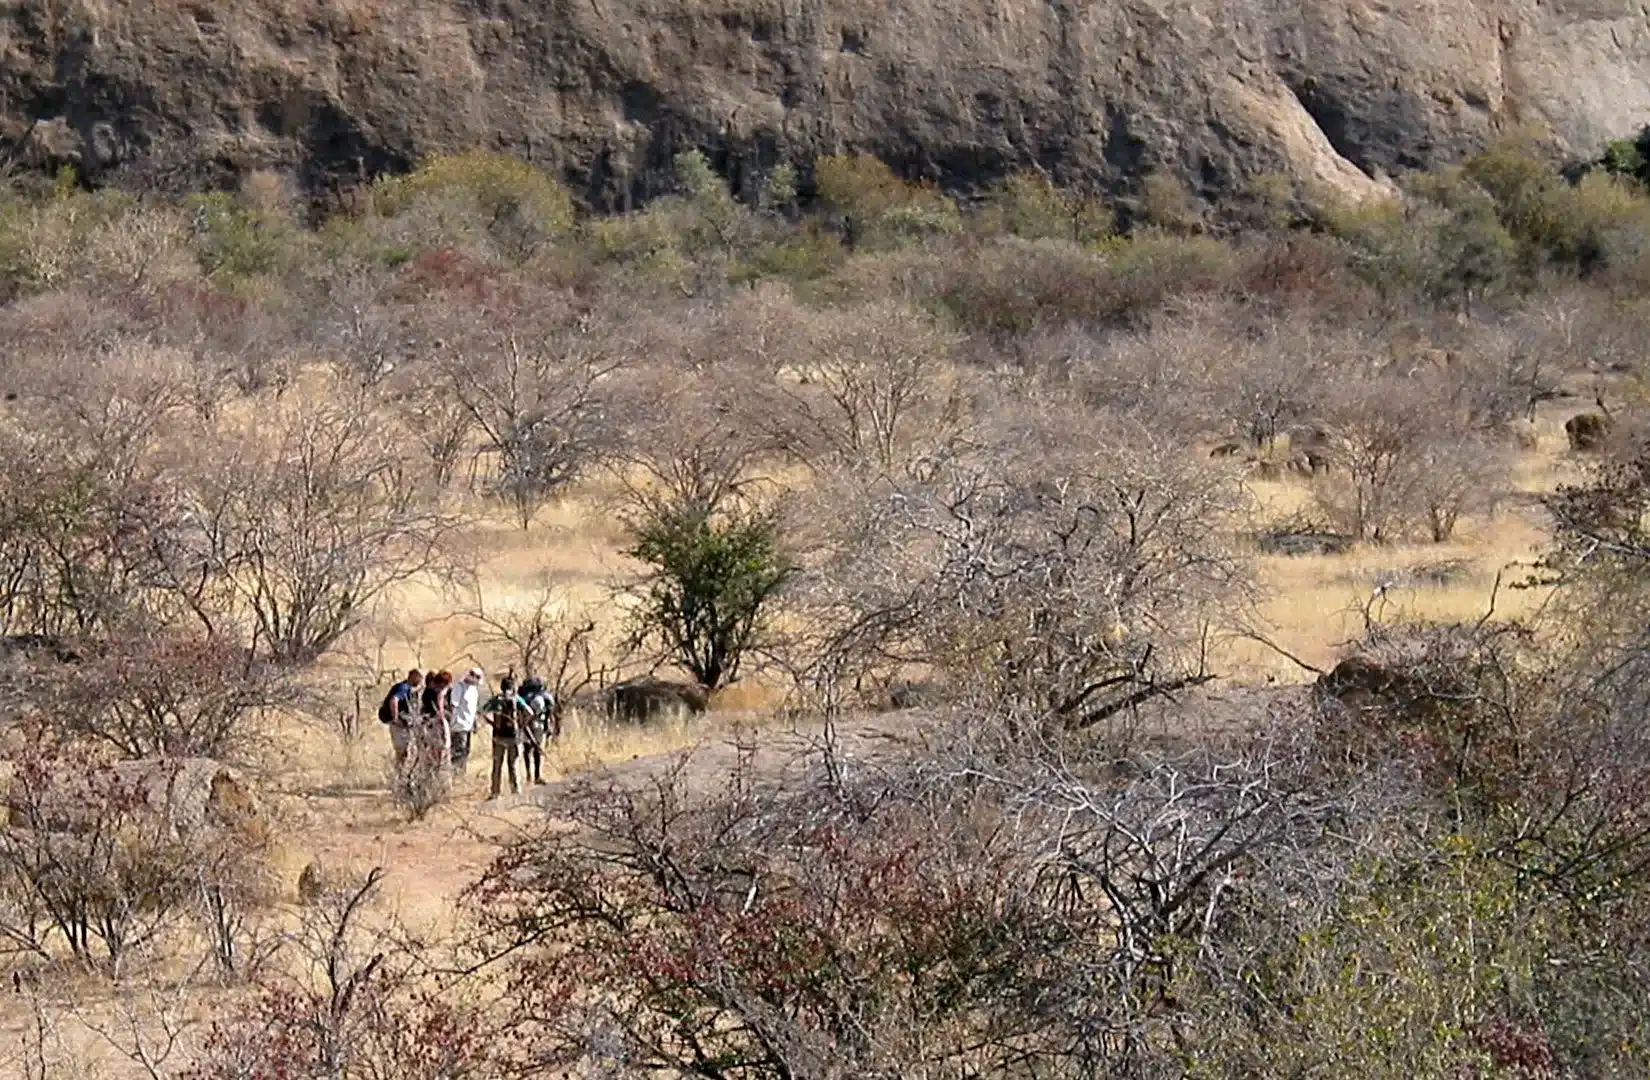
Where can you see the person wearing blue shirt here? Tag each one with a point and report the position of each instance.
(399, 711)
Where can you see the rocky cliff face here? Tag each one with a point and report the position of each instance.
(605, 91)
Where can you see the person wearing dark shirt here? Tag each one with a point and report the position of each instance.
(535, 728)
(432, 730)
(506, 712)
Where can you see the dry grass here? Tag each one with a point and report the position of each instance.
(1313, 605)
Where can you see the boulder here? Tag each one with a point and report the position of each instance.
(1587, 431)
(643, 700)
(186, 795)
(322, 878)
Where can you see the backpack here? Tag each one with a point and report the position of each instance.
(386, 708)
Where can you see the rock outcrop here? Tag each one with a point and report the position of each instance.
(1097, 92)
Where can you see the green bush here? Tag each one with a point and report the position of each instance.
(917, 221)
(779, 191)
(1029, 206)
(1266, 203)
(1629, 158)
(1445, 244)
(236, 243)
(632, 238)
(66, 235)
(711, 578)
(354, 241)
(514, 206)
(806, 256)
(858, 186)
(878, 209)
(1570, 224)
(708, 219)
(1476, 257)
(1166, 203)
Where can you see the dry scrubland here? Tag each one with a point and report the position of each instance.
(1142, 638)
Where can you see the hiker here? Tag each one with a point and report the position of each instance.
(465, 699)
(399, 710)
(506, 712)
(537, 727)
(430, 702)
(434, 716)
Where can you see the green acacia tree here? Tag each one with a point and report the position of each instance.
(710, 581)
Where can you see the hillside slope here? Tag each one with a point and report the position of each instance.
(604, 91)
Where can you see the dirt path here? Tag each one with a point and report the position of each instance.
(429, 863)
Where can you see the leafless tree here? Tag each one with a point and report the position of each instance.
(875, 387)
(1375, 428)
(438, 421)
(305, 525)
(1456, 477)
(1069, 582)
(535, 384)
(1406, 459)
(542, 637)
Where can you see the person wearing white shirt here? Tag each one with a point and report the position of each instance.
(464, 702)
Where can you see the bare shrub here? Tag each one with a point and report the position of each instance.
(1405, 460)
(356, 1009)
(154, 693)
(106, 859)
(1100, 907)
(306, 523)
(355, 319)
(106, 239)
(153, 1030)
(541, 636)
(236, 346)
(444, 428)
(1459, 477)
(1371, 430)
(1163, 375)
(1065, 583)
(1446, 696)
(730, 976)
(907, 921)
(143, 251)
(76, 545)
(1279, 377)
(423, 780)
(678, 451)
(1601, 551)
